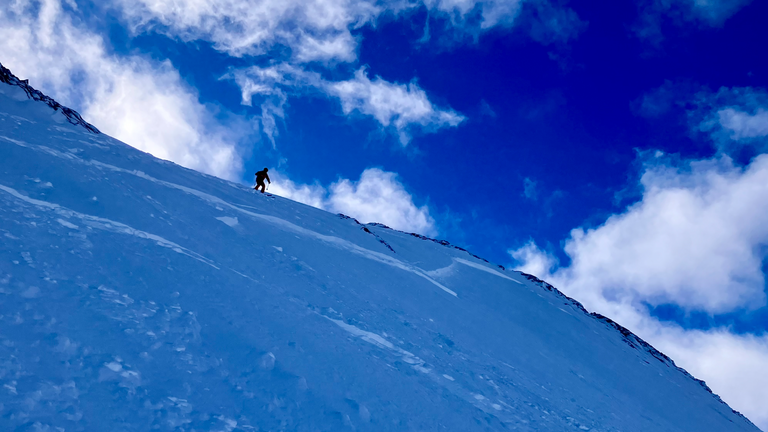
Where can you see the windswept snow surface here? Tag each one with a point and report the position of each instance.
(137, 295)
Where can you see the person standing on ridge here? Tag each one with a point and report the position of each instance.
(260, 176)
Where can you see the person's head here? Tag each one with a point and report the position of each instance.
(265, 169)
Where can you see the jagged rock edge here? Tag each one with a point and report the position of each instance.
(365, 228)
(7, 77)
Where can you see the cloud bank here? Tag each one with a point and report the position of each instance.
(697, 239)
(378, 196)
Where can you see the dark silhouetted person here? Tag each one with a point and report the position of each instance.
(260, 176)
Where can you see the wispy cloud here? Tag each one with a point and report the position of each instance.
(293, 33)
(530, 189)
(320, 30)
(733, 117)
(378, 196)
(554, 24)
(707, 13)
(400, 108)
(137, 100)
(314, 30)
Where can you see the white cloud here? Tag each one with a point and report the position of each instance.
(313, 30)
(314, 195)
(492, 13)
(339, 47)
(141, 102)
(533, 260)
(742, 125)
(696, 239)
(733, 117)
(398, 107)
(530, 190)
(377, 197)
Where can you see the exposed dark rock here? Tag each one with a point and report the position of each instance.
(72, 116)
(364, 228)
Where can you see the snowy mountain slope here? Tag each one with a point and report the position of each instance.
(138, 295)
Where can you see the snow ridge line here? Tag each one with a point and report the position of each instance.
(631, 339)
(485, 269)
(365, 228)
(440, 242)
(7, 77)
(105, 225)
(335, 241)
(332, 240)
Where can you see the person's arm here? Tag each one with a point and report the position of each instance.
(270, 181)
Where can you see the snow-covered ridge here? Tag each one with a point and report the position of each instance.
(6, 76)
(631, 339)
(440, 242)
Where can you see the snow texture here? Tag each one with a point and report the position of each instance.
(139, 295)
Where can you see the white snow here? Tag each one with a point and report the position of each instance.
(231, 221)
(481, 267)
(67, 224)
(126, 312)
(31, 292)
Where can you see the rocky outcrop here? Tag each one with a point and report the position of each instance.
(7, 77)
